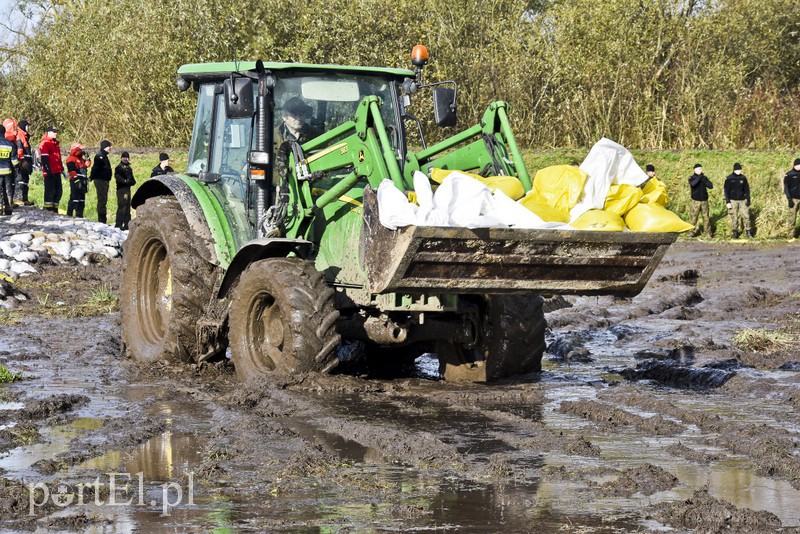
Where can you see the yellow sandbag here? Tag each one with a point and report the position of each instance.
(621, 198)
(560, 185)
(655, 192)
(537, 205)
(599, 220)
(509, 185)
(654, 218)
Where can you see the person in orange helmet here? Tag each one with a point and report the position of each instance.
(25, 166)
(11, 135)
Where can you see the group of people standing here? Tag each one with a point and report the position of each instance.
(17, 164)
(737, 200)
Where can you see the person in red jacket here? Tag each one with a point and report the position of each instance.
(52, 167)
(77, 165)
(11, 135)
(25, 167)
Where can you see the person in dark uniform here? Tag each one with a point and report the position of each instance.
(125, 180)
(700, 185)
(101, 177)
(163, 166)
(737, 199)
(791, 188)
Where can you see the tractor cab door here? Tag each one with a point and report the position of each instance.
(218, 157)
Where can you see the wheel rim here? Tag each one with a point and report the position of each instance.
(155, 299)
(265, 334)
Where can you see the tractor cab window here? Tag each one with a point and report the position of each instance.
(201, 134)
(229, 146)
(325, 101)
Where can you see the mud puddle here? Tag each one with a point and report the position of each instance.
(576, 448)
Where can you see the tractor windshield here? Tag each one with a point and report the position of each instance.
(331, 99)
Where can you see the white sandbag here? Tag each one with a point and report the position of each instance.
(427, 214)
(467, 202)
(394, 209)
(607, 163)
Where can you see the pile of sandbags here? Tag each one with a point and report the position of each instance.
(607, 192)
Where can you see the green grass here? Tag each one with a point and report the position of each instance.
(142, 165)
(7, 376)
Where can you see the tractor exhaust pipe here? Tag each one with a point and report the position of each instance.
(264, 142)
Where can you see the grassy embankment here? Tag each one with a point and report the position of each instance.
(764, 171)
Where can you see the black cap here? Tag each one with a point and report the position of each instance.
(650, 168)
(52, 128)
(163, 156)
(737, 166)
(104, 144)
(697, 166)
(2, 132)
(23, 125)
(124, 155)
(297, 107)
(797, 162)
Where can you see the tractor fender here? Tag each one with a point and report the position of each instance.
(259, 249)
(208, 227)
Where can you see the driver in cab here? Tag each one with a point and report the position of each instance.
(294, 127)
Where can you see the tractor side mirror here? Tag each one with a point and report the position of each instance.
(239, 103)
(444, 106)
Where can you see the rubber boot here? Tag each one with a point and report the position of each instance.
(749, 234)
(736, 234)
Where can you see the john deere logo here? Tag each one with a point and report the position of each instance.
(360, 156)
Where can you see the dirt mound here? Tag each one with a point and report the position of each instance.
(703, 513)
(646, 479)
(673, 374)
(660, 304)
(608, 417)
(44, 408)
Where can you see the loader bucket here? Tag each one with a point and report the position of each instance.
(429, 259)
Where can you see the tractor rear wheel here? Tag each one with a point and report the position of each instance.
(165, 284)
(282, 319)
(512, 342)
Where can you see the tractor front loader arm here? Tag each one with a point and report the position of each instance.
(352, 152)
(489, 148)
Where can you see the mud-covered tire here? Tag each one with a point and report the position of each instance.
(165, 284)
(282, 319)
(513, 343)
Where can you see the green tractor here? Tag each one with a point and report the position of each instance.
(270, 244)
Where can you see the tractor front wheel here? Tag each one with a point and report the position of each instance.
(282, 319)
(512, 342)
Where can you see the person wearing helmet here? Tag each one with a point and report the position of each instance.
(52, 167)
(10, 126)
(8, 159)
(25, 166)
(77, 169)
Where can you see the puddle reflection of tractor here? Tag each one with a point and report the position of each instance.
(275, 249)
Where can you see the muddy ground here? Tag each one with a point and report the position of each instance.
(646, 418)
